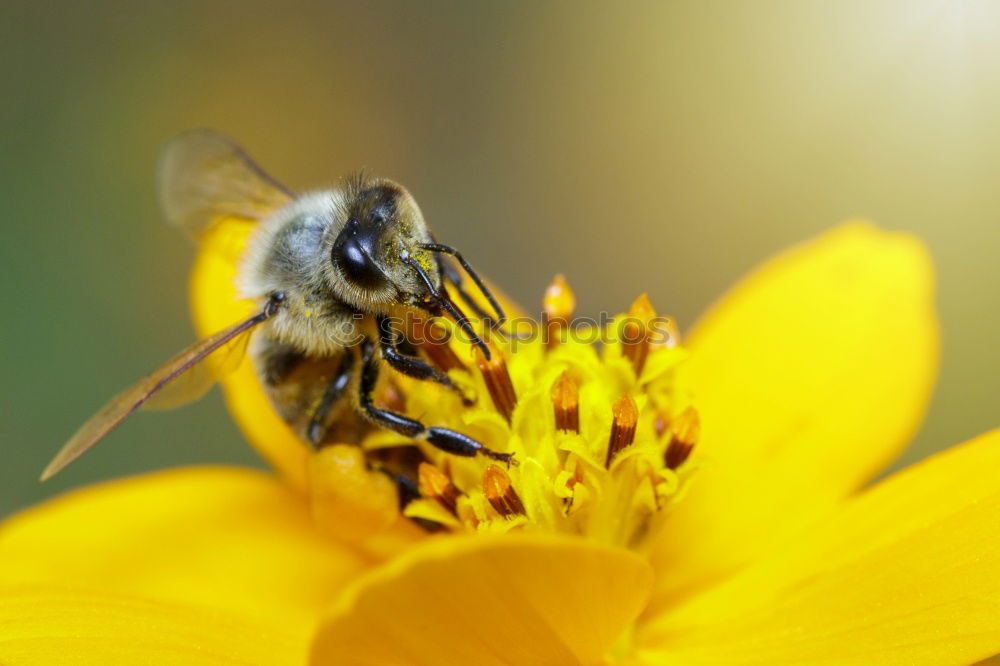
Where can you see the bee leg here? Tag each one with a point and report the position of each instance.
(317, 426)
(411, 366)
(408, 492)
(446, 439)
(448, 272)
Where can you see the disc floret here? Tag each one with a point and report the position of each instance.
(601, 437)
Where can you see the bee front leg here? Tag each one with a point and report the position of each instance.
(446, 439)
(448, 272)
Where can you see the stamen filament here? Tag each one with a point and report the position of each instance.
(626, 416)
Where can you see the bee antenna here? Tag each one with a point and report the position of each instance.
(485, 290)
(443, 299)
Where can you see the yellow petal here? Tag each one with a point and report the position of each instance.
(907, 573)
(357, 505)
(514, 600)
(809, 377)
(215, 306)
(44, 625)
(222, 537)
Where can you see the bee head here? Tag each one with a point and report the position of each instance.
(384, 255)
(383, 231)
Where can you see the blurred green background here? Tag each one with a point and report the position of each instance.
(665, 147)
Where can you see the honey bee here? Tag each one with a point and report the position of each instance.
(328, 271)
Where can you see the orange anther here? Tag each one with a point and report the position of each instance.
(433, 483)
(626, 416)
(500, 493)
(498, 381)
(684, 435)
(566, 402)
(432, 339)
(558, 305)
(637, 331)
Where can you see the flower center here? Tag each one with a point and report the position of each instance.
(599, 433)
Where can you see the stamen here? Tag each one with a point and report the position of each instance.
(434, 483)
(683, 436)
(500, 492)
(433, 339)
(498, 382)
(557, 309)
(623, 428)
(637, 331)
(668, 334)
(566, 401)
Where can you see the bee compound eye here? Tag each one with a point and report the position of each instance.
(352, 254)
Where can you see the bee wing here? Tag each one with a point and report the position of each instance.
(128, 401)
(195, 382)
(204, 175)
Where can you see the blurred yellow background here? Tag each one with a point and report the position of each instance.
(661, 147)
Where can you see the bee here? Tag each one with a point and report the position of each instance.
(329, 271)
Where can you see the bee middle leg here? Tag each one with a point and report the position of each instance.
(446, 439)
(317, 427)
(390, 346)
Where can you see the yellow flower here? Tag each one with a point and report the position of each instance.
(761, 546)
